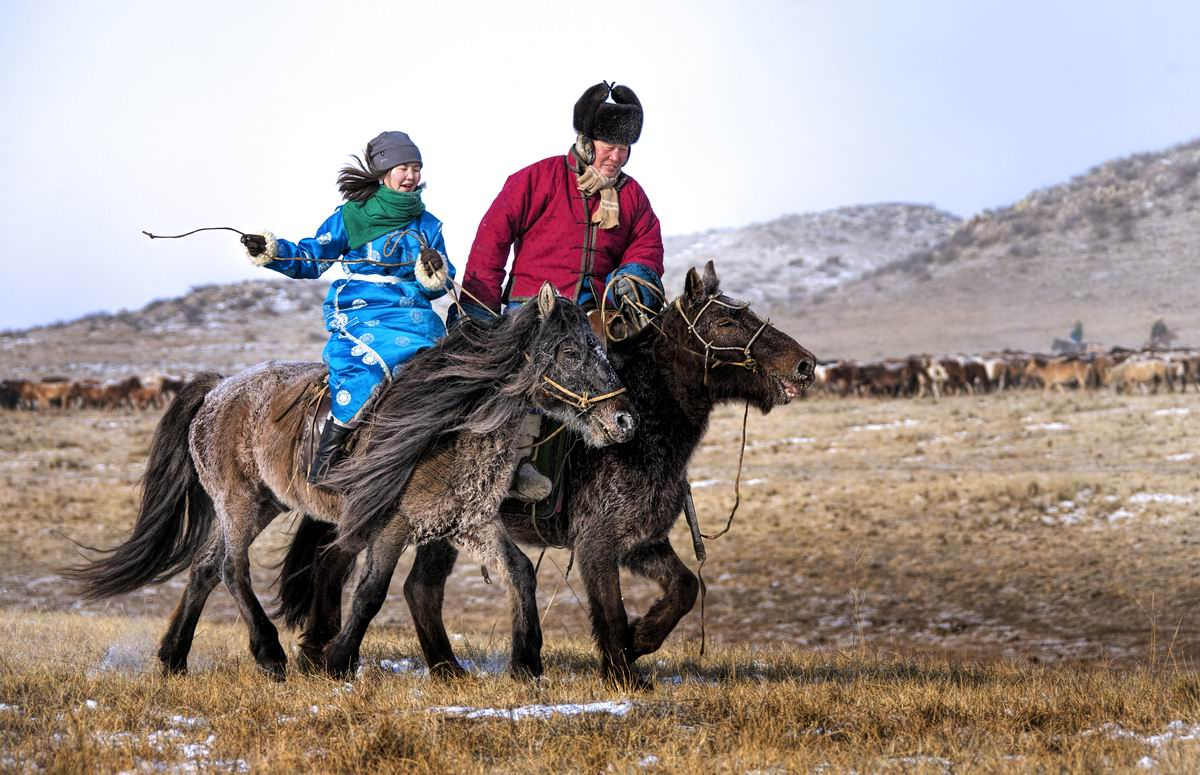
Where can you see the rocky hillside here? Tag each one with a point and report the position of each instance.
(1116, 248)
(797, 257)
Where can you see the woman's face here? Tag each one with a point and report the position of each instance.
(610, 158)
(403, 177)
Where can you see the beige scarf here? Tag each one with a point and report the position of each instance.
(590, 181)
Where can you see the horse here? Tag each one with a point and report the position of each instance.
(432, 461)
(704, 349)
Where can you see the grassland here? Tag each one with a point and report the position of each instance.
(995, 583)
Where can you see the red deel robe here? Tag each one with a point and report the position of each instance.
(541, 211)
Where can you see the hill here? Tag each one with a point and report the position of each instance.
(794, 258)
(1116, 248)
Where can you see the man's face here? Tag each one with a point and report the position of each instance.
(403, 177)
(610, 158)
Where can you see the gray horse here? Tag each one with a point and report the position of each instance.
(432, 462)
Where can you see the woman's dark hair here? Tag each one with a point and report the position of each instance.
(358, 181)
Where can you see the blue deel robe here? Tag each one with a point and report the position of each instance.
(374, 327)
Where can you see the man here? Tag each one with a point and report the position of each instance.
(576, 220)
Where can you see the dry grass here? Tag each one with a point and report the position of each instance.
(74, 703)
(979, 584)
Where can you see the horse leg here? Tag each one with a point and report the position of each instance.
(383, 551)
(493, 547)
(333, 565)
(610, 624)
(203, 576)
(424, 591)
(658, 562)
(243, 518)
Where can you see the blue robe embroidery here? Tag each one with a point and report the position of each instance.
(378, 318)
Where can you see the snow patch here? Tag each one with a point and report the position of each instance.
(538, 711)
(1160, 497)
(886, 426)
(1181, 457)
(1177, 411)
(1048, 426)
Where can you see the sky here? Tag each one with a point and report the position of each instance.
(123, 116)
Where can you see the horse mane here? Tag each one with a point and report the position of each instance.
(476, 380)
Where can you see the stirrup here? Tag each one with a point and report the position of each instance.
(530, 485)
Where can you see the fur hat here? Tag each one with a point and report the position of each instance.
(618, 122)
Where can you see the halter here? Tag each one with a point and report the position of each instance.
(581, 401)
(747, 362)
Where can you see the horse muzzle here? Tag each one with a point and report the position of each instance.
(617, 423)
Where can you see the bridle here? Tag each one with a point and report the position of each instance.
(581, 401)
(747, 362)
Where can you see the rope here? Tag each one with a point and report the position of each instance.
(737, 484)
(698, 537)
(582, 402)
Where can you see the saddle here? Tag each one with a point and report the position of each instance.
(549, 457)
(311, 406)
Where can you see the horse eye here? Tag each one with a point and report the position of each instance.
(725, 323)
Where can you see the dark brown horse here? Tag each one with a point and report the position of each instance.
(432, 463)
(704, 349)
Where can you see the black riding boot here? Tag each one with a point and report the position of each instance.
(328, 449)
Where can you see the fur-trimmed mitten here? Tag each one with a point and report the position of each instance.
(262, 248)
(431, 270)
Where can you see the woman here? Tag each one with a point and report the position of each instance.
(380, 315)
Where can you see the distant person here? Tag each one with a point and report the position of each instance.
(1077, 333)
(577, 221)
(380, 315)
(1160, 335)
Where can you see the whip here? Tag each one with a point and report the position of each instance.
(193, 231)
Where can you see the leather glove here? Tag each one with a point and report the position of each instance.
(256, 244)
(626, 292)
(431, 270)
(431, 260)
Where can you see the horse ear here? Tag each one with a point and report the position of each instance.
(547, 298)
(711, 284)
(693, 286)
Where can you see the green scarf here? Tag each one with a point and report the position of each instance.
(385, 211)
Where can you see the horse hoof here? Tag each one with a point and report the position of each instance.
(447, 671)
(170, 669)
(308, 663)
(525, 673)
(276, 671)
(629, 682)
(338, 665)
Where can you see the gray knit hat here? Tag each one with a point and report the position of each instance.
(391, 148)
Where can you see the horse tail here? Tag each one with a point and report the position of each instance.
(297, 580)
(176, 513)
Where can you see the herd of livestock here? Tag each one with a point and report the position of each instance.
(1119, 369)
(62, 393)
(916, 376)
